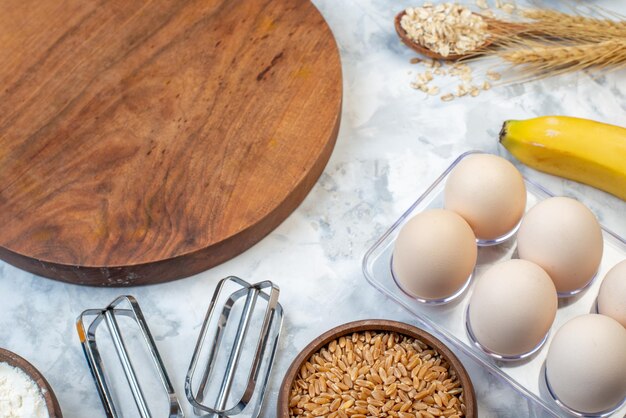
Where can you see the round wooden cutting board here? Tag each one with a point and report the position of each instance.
(144, 141)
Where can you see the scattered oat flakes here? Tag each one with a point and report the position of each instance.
(433, 91)
(421, 78)
(461, 68)
(435, 69)
(492, 75)
(461, 90)
(508, 8)
(482, 4)
(498, 4)
(489, 13)
(415, 60)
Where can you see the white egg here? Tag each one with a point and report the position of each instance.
(564, 238)
(512, 307)
(488, 192)
(586, 363)
(612, 295)
(434, 255)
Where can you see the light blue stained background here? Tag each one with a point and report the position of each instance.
(394, 141)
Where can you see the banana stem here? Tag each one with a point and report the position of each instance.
(503, 131)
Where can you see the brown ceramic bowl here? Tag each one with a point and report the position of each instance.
(282, 409)
(54, 410)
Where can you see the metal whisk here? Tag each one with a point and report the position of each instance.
(87, 335)
(251, 296)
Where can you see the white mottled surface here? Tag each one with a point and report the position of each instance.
(393, 143)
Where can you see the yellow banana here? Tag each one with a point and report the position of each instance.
(589, 152)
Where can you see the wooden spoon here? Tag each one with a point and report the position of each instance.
(494, 27)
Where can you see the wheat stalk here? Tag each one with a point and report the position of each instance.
(540, 60)
(545, 22)
(550, 43)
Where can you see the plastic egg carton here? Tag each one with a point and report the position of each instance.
(527, 375)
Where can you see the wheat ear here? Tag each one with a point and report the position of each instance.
(553, 60)
(567, 26)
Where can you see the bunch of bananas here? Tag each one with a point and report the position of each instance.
(583, 150)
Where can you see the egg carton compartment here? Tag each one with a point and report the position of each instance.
(527, 375)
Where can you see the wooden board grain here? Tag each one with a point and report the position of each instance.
(144, 141)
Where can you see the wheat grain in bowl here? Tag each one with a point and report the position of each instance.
(381, 374)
